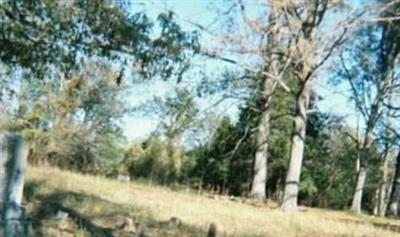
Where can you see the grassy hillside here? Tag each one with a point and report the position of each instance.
(103, 207)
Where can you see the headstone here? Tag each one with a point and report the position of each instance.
(141, 231)
(124, 178)
(13, 155)
(61, 217)
(212, 230)
(128, 225)
(174, 222)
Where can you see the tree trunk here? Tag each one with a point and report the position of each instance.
(362, 172)
(385, 187)
(258, 188)
(358, 193)
(390, 155)
(375, 209)
(267, 87)
(394, 199)
(289, 202)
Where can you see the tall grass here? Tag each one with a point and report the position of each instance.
(233, 218)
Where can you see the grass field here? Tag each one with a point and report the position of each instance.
(99, 206)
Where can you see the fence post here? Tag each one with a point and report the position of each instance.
(13, 155)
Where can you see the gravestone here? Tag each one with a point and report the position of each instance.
(13, 155)
(124, 178)
(212, 230)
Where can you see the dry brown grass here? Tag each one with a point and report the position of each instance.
(236, 219)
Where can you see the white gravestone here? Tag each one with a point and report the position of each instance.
(13, 155)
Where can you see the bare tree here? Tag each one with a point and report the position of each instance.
(296, 46)
(308, 51)
(389, 154)
(311, 48)
(264, 76)
(371, 82)
(267, 88)
(394, 198)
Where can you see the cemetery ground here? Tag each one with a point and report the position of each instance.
(63, 203)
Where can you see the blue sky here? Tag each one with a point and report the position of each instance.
(203, 12)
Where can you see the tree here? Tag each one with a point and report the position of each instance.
(47, 41)
(42, 34)
(214, 160)
(389, 141)
(77, 125)
(394, 196)
(303, 19)
(370, 80)
(266, 90)
(47, 45)
(227, 159)
(156, 160)
(261, 71)
(177, 115)
(291, 48)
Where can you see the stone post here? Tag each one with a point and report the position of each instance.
(13, 155)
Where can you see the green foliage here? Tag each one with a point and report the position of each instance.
(218, 160)
(43, 34)
(75, 124)
(155, 160)
(279, 148)
(329, 163)
(177, 113)
(225, 162)
(68, 59)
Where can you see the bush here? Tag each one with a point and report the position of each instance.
(154, 159)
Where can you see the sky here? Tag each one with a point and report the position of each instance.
(334, 99)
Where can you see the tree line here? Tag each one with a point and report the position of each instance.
(67, 68)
